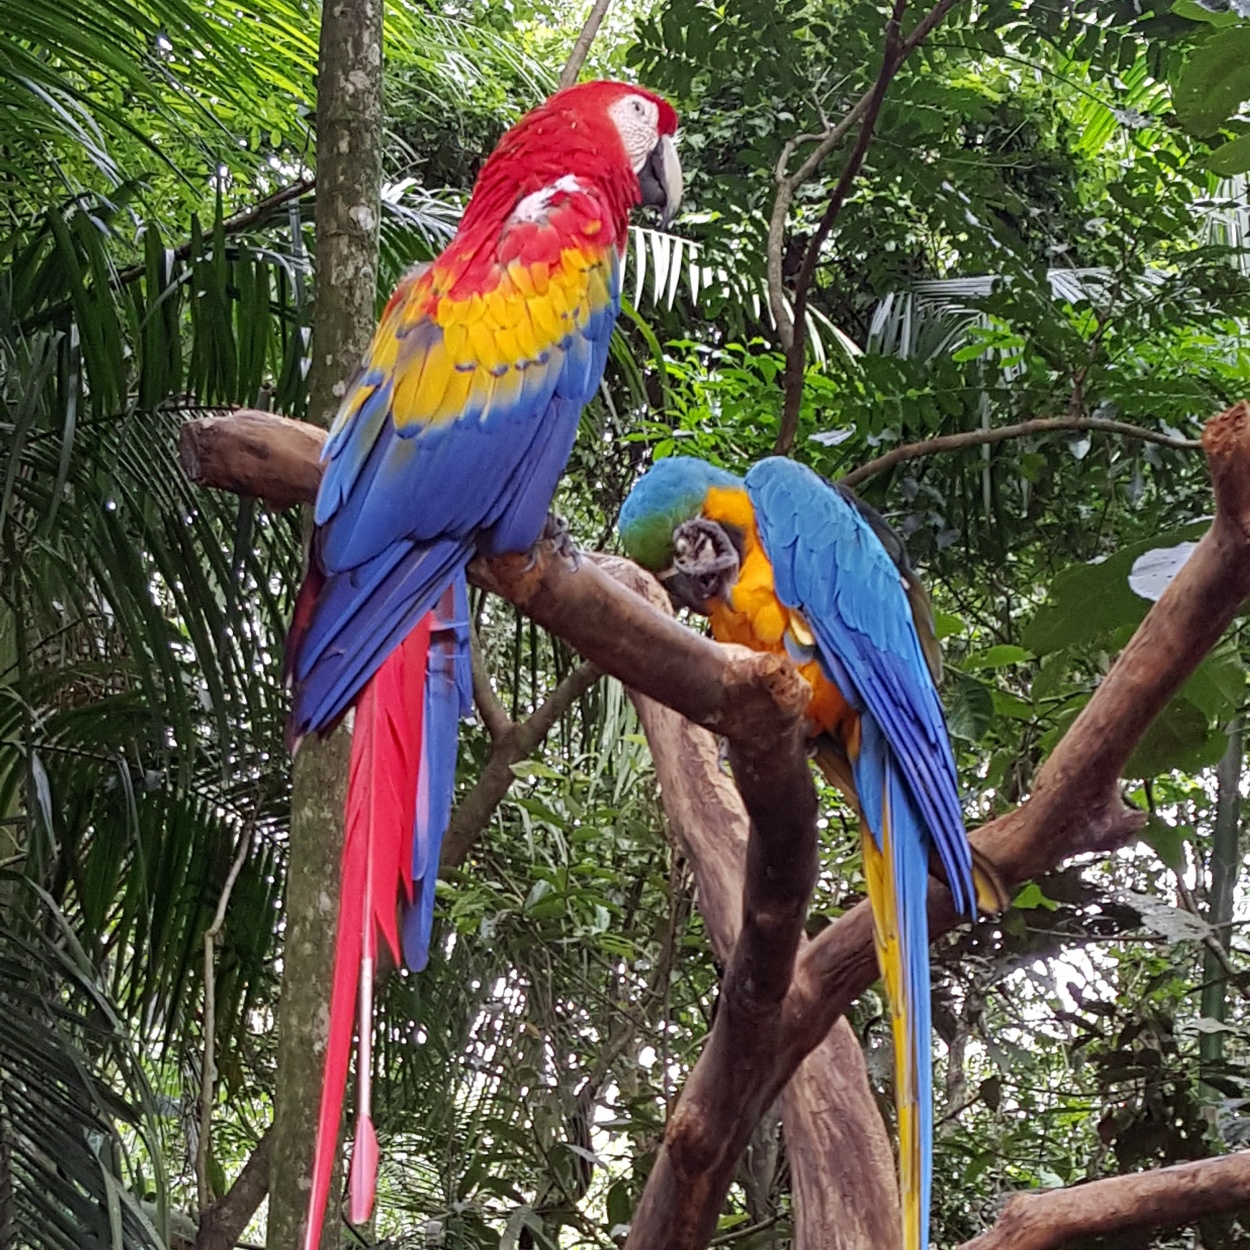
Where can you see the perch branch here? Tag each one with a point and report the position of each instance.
(943, 443)
(1162, 1198)
(840, 1157)
(1075, 805)
(756, 701)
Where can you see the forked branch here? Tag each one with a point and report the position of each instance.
(756, 701)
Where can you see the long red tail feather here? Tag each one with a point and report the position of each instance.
(377, 862)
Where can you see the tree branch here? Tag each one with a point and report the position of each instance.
(492, 711)
(222, 1224)
(840, 1157)
(581, 47)
(208, 1078)
(796, 353)
(1162, 1198)
(943, 443)
(756, 700)
(236, 224)
(515, 743)
(788, 184)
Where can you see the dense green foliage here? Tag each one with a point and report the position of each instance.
(1051, 222)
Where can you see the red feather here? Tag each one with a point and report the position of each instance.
(377, 861)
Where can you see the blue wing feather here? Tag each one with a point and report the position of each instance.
(829, 565)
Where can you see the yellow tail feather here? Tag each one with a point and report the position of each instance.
(890, 955)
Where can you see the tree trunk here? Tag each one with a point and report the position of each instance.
(349, 178)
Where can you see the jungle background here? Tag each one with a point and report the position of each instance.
(1051, 222)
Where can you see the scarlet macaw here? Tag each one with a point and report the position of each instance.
(783, 561)
(450, 441)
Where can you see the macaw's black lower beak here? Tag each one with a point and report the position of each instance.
(660, 180)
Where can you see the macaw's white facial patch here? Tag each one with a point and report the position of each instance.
(637, 120)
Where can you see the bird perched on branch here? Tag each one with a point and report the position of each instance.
(783, 561)
(449, 442)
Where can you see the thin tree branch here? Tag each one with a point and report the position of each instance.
(222, 1224)
(236, 224)
(515, 743)
(1002, 433)
(788, 184)
(208, 1077)
(796, 353)
(1162, 1198)
(581, 46)
(489, 706)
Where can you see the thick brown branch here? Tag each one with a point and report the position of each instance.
(730, 690)
(1160, 1199)
(756, 701)
(517, 742)
(1002, 433)
(254, 453)
(222, 1224)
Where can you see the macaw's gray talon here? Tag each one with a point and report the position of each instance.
(556, 532)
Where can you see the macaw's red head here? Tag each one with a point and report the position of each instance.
(610, 134)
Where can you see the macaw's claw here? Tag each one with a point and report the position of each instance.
(556, 532)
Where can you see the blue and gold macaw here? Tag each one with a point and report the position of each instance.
(783, 561)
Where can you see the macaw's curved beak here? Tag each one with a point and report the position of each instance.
(660, 179)
(705, 565)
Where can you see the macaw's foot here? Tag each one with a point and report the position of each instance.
(556, 532)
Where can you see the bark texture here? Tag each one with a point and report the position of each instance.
(1163, 1198)
(349, 180)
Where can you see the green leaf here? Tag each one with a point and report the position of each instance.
(620, 1204)
(991, 1092)
(1200, 13)
(969, 709)
(1167, 841)
(1230, 158)
(1031, 897)
(998, 657)
(1089, 601)
(1218, 685)
(1181, 738)
(1214, 82)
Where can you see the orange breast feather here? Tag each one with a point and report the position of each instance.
(756, 618)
